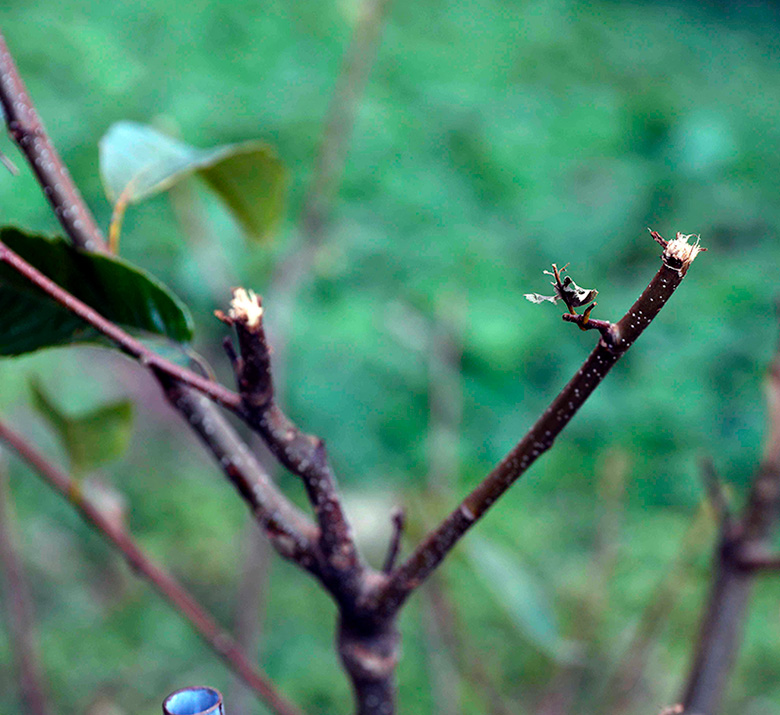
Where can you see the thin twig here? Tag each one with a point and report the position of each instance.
(350, 85)
(760, 562)
(618, 692)
(219, 640)
(713, 485)
(19, 611)
(124, 341)
(676, 259)
(303, 454)
(587, 323)
(250, 606)
(398, 518)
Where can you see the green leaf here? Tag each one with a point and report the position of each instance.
(520, 594)
(121, 292)
(137, 161)
(91, 439)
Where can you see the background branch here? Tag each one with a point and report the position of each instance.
(19, 610)
(720, 632)
(219, 640)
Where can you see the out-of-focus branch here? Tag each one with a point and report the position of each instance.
(676, 258)
(748, 538)
(250, 606)
(19, 611)
(620, 690)
(716, 494)
(344, 105)
(219, 640)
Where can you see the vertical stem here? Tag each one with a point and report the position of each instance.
(350, 85)
(720, 633)
(20, 612)
(719, 639)
(369, 650)
(250, 607)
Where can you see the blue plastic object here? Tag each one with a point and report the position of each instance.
(194, 701)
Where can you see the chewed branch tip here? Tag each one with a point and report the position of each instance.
(247, 307)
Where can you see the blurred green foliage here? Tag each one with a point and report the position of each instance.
(494, 138)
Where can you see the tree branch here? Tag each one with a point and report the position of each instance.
(748, 539)
(19, 615)
(398, 518)
(77, 221)
(290, 532)
(219, 640)
(676, 259)
(27, 131)
(303, 454)
(716, 495)
(350, 84)
(125, 342)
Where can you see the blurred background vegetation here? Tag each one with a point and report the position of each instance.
(494, 137)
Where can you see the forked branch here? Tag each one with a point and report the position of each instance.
(743, 551)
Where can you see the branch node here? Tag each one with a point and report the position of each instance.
(585, 322)
(398, 518)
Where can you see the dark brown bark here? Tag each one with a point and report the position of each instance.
(26, 129)
(614, 342)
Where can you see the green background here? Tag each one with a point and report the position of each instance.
(493, 139)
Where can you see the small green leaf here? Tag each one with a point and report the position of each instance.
(91, 439)
(119, 291)
(137, 161)
(520, 594)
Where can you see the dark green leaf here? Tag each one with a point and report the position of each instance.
(140, 161)
(121, 292)
(90, 439)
